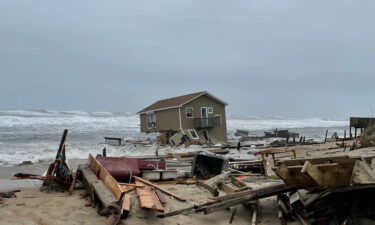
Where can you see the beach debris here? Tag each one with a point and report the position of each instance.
(114, 141)
(113, 197)
(205, 165)
(242, 133)
(24, 163)
(9, 194)
(234, 199)
(20, 176)
(59, 172)
(160, 188)
(148, 198)
(329, 205)
(327, 171)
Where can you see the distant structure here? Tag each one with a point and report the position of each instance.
(360, 123)
(197, 117)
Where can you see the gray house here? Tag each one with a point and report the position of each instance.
(198, 116)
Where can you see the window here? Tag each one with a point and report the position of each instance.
(210, 110)
(217, 120)
(193, 134)
(151, 120)
(189, 112)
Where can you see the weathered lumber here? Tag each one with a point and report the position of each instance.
(125, 206)
(104, 195)
(362, 173)
(158, 187)
(96, 187)
(257, 194)
(160, 196)
(237, 182)
(233, 200)
(148, 198)
(185, 210)
(105, 176)
(73, 185)
(227, 188)
(214, 181)
(249, 192)
(254, 213)
(113, 219)
(87, 178)
(211, 189)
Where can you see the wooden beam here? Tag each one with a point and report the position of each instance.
(313, 172)
(209, 188)
(362, 173)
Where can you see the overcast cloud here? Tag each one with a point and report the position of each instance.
(265, 57)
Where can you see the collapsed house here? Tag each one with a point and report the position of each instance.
(198, 117)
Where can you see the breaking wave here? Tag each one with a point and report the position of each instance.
(34, 134)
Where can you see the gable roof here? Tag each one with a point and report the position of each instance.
(176, 102)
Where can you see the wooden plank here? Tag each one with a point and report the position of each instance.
(227, 188)
(250, 192)
(148, 198)
(87, 178)
(254, 216)
(257, 194)
(126, 189)
(217, 179)
(237, 182)
(211, 189)
(313, 172)
(161, 189)
(160, 196)
(103, 193)
(106, 177)
(62, 144)
(362, 173)
(126, 203)
(71, 189)
(284, 173)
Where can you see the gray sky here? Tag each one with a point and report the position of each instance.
(265, 57)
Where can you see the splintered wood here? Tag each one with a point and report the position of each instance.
(148, 198)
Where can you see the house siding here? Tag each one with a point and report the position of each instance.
(165, 120)
(216, 134)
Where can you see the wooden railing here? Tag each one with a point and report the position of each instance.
(207, 122)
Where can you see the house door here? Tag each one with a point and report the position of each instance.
(204, 116)
(205, 135)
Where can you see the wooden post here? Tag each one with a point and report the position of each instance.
(325, 139)
(62, 144)
(294, 153)
(104, 152)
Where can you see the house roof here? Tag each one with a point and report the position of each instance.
(176, 102)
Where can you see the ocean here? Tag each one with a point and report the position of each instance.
(34, 135)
